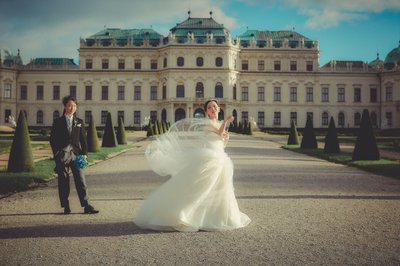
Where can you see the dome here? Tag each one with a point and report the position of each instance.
(393, 58)
(377, 63)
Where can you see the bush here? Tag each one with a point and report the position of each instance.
(293, 138)
(121, 135)
(309, 141)
(92, 137)
(21, 158)
(109, 139)
(331, 139)
(366, 148)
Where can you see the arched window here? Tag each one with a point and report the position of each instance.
(325, 118)
(357, 119)
(180, 90)
(199, 61)
(179, 114)
(180, 61)
(199, 90)
(234, 113)
(39, 117)
(341, 119)
(165, 62)
(56, 114)
(199, 113)
(374, 119)
(219, 90)
(221, 114)
(218, 61)
(164, 115)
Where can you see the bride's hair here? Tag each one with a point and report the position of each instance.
(207, 102)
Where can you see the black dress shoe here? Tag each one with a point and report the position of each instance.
(89, 209)
(67, 210)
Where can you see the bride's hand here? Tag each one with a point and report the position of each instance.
(230, 118)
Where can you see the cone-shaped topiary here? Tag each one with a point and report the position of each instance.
(21, 158)
(121, 135)
(160, 130)
(366, 148)
(250, 129)
(92, 138)
(309, 141)
(109, 139)
(150, 131)
(293, 138)
(331, 139)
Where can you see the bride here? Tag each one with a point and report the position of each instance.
(199, 194)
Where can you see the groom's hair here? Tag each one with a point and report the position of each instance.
(68, 98)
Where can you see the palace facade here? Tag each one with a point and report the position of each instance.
(271, 77)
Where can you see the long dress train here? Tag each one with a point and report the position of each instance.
(199, 194)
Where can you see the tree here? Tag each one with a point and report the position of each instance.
(309, 140)
(109, 139)
(331, 139)
(92, 138)
(21, 158)
(121, 134)
(366, 148)
(293, 138)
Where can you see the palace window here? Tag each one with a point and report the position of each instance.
(261, 65)
(309, 66)
(104, 116)
(341, 96)
(260, 119)
(72, 90)
(245, 93)
(277, 94)
(245, 65)
(153, 93)
(277, 118)
(218, 61)
(23, 92)
(136, 117)
(373, 95)
(180, 90)
(325, 118)
(180, 61)
(389, 118)
(39, 117)
(137, 94)
(88, 116)
(121, 63)
(389, 94)
(7, 115)
(104, 63)
(260, 95)
(325, 95)
(164, 92)
(121, 114)
(199, 90)
(293, 117)
(39, 92)
(88, 93)
(357, 95)
(121, 93)
(7, 90)
(357, 119)
(309, 94)
(153, 116)
(104, 93)
(341, 119)
(245, 117)
(219, 90)
(199, 61)
(56, 92)
(293, 66)
(138, 64)
(88, 63)
(56, 114)
(154, 64)
(165, 62)
(277, 65)
(293, 94)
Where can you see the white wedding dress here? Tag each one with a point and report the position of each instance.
(199, 194)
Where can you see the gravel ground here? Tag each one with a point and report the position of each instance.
(304, 211)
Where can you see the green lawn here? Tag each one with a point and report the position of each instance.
(43, 171)
(384, 167)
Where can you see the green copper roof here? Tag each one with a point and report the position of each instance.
(392, 58)
(52, 61)
(277, 38)
(127, 33)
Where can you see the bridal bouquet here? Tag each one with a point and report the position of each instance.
(81, 161)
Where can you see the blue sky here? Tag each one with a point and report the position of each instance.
(346, 30)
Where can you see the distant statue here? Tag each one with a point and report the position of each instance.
(11, 120)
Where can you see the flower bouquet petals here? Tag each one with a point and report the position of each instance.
(81, 161)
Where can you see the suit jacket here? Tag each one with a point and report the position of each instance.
(60, 137)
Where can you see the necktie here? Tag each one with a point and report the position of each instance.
(69, 124)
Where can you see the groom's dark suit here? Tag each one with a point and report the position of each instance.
(60, 139)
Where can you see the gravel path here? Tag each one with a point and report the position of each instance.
(303, 210)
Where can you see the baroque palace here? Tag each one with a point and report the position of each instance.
(269, 77)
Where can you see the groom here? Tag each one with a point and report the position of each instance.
(67, 140)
